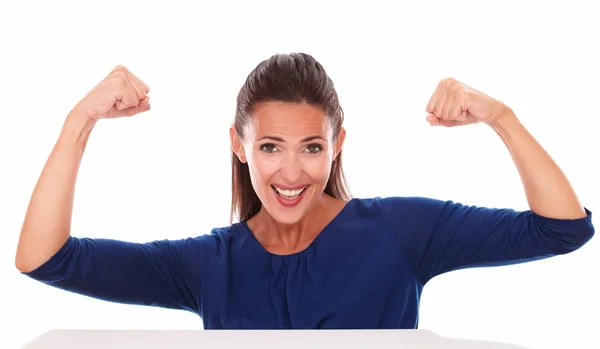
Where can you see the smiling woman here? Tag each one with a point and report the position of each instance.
(304, 254)
(288, 149)
(289, 111)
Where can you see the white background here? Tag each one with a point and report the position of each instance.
(165, 173)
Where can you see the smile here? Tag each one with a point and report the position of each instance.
(288, 194)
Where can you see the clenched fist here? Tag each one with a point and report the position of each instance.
(120, 94)
(454, 104)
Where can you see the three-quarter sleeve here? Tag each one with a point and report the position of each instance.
(440, 236)
(165, 273)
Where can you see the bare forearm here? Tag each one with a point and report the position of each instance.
(47, 223)
(548, 191)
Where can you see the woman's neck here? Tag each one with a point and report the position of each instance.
(282, 239)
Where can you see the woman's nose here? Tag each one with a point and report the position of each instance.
(291, 169)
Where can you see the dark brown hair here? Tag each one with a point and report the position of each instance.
(293, 78)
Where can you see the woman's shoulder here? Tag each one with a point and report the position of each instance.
(394, 211)
(218, 235)
(395, 203)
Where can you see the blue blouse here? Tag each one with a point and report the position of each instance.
(365, 270)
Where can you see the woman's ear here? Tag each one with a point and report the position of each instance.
(236, 144)
(339, 143)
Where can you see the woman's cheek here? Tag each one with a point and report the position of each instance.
(317, 167)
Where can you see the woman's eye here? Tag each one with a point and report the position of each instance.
(314, 148)
(268, 148)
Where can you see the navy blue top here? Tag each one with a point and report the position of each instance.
(365, 270)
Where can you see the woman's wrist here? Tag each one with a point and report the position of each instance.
(77, 127)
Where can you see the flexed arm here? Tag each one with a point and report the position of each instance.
(152, 273)
(548, 190)
(439, 236)
(47, 223)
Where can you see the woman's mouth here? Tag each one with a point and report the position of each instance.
(289, 197)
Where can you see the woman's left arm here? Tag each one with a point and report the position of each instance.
(439, 236)
(548, 190)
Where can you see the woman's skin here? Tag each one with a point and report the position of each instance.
(285, 160)
(47, 223)
(289, 146)
(548, 190)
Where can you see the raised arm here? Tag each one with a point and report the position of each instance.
(153, 273)
(548, 191)
(440, 236)
(47, 223)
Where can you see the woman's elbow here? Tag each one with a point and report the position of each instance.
(23, 265)
(586, 235)
(575, 238)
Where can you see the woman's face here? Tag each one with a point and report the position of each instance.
(289, 149)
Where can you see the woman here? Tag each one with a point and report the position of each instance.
(304, 254)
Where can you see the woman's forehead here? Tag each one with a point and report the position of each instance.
(290, 119)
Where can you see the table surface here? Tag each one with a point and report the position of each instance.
(263, 339)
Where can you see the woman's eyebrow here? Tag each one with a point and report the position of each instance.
(279, 139)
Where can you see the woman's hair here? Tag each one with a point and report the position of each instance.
(293, 78)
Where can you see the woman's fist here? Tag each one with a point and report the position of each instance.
(120, 94)
(454, 103)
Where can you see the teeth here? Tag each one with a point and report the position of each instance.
(289, 193)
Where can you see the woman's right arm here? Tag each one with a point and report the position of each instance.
(154, 273)
(47, 223)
